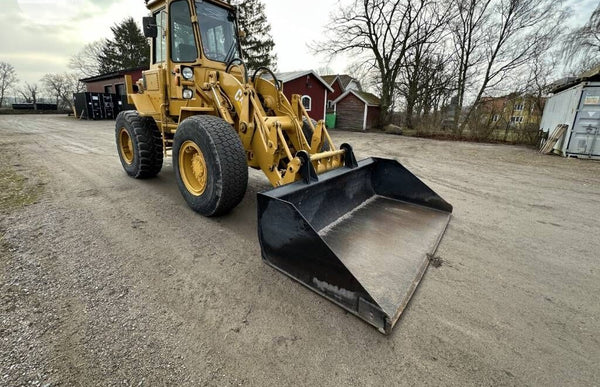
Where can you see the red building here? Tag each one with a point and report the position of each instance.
(113, 83)
(340, 84)
(313, 89)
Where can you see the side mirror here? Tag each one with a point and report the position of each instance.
(149, 26)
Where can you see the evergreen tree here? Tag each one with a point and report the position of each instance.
(127, 49)
(257, 45)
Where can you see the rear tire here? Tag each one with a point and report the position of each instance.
(308, 134)
(210, 165)
(139, 144)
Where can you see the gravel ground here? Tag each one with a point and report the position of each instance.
(107, 280)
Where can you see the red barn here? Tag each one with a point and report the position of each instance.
(340, 84)
(313, 89)
(357, 110)
(113, 83)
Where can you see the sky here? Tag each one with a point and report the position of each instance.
(39, 36)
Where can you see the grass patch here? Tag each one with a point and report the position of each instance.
(16, 190)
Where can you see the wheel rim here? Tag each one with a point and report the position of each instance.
(126, 146)
(192, 168)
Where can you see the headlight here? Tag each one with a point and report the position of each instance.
(188, 93)
(187, 73)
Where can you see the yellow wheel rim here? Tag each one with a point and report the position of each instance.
(126, 146)
(192, 168)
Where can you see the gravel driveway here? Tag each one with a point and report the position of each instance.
(107, 280)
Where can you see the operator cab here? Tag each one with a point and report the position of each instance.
(216, 36)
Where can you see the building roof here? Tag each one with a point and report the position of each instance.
(567, 82)
(290, 76)
(114, 74)
(329, 78)
(345, 79)
(367, 98)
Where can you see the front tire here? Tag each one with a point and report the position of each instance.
(308, 133)
(210, 165)
(139, 144)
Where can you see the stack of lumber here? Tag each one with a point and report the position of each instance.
(556, 135)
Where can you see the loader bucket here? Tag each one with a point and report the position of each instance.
(360, 236)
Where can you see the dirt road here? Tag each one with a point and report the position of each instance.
(107, 280)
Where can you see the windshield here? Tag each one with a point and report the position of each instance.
(217, 29)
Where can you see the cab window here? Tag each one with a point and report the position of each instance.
(183, 43)
(159, 47)
(218, 31)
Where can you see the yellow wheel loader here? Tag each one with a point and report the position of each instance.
(357, 233)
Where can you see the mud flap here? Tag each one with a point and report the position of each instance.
(360, 235)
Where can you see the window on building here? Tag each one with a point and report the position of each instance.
(306, 102)
(159, 47)
(519, 107)
(516, 119)
(120, 89)
(330, 104)
(108, 89)
(495, 117)
(183, 43)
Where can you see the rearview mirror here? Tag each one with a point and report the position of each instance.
(149, 26)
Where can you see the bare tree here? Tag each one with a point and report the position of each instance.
(517, 30)
(87, 61)
(468, 33)
(63, 86)
(582, 45)
(8, 78)
(541, 68)
(425, 79)
(384, 31)
(30, 93)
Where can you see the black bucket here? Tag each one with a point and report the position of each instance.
(360, 236)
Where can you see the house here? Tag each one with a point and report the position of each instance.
(356, 110)
(340, 84)
(113, 83)
(313, 89)
(353, 107)
(513, 109)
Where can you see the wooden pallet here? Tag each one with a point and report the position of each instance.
(556, 135)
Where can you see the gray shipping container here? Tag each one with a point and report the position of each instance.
(578, 107)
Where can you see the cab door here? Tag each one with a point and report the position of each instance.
(183, 52)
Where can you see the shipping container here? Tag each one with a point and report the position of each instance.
(579, 108)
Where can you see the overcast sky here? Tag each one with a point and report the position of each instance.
(39, 36)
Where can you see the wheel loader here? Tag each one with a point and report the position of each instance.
(356, 232)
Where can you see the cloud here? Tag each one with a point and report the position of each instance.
(39, 36)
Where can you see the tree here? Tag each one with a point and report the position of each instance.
(87, 61)
(517, 29)
(63, 86)
(582, 46)
(385, 32)
(127, 49)
(8, 77)
(468, 32)
(257, 43)
(30, 93)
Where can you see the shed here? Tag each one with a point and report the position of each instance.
(112, 83)
(357, 110)
(575, 103)
(313, 89)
